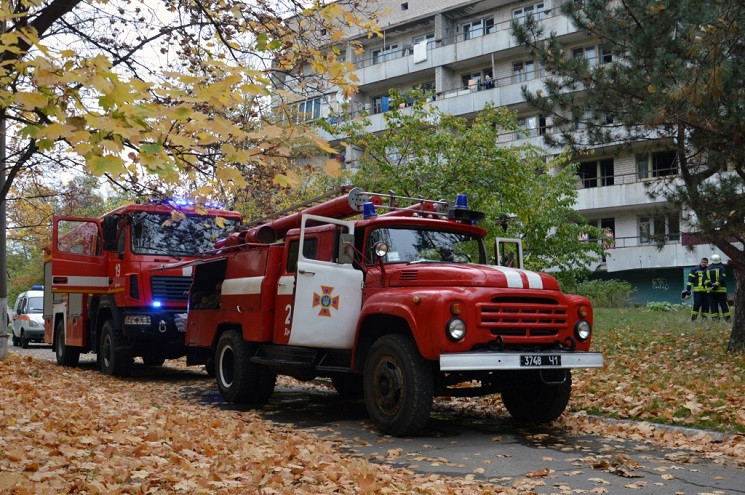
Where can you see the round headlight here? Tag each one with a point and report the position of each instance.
(582, 330)
(456, 329)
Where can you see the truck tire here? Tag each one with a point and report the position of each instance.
(112, 358)
(398, 386)
(24, 340)
(66, 355)
(348, 385)
(239, 379)
(530, 400)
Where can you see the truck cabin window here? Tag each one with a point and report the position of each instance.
(421, 245)
(310, 246)
(150, 234)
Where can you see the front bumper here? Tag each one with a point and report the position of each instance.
(485, 361)
(164, 325)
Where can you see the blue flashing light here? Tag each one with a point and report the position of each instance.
(181, 202)
(368, 210)
(461, 201)
(37, 287)
(157, 304)
(214, 205)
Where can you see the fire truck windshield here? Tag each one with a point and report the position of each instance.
(152, 234)
(421, 245)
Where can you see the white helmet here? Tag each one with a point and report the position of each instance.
(715, 258)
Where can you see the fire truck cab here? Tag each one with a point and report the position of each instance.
(106, 286)
(396, 308)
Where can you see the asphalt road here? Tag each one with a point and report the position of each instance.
(547, 460)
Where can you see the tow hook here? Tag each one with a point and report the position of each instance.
(162, 326)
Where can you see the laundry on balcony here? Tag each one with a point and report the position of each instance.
(420, 52)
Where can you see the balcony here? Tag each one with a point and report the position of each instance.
(629, 253)
(447, 51)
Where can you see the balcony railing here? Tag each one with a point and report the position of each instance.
(408, 49)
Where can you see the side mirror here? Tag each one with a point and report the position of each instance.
(346, 248)
(109, 226)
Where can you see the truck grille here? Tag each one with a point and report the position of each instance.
(522, 317)
(170, 289)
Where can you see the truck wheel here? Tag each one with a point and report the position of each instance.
(398, 386)
(66, 355)
(239, 379)
(111, 357)
(348, 386)
(24, 340)
(530, 400)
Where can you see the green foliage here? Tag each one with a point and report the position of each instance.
(664, 306)
(606, 293)
(426, 152)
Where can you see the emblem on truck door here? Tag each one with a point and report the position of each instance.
(325, 300)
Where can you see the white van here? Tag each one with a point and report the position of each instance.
(28, 323)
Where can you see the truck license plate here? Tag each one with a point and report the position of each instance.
(540, 360)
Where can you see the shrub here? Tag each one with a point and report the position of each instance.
(664, 306)
(607, 293)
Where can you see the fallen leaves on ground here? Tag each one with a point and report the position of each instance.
(72, 430)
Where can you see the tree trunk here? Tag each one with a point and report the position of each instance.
(737, 337)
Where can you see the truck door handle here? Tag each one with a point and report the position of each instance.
(306, 272)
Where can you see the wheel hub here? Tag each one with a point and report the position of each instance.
(388, 386)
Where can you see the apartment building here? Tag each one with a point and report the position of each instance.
(465, 52)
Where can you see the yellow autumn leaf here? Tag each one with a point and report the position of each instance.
(323, 144)
(332, 168)
(31, 100)
(229, 174)
(98, 165)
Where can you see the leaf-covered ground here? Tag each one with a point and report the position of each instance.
(661, 367)
(73, 430)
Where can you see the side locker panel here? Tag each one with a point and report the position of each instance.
(74, 331)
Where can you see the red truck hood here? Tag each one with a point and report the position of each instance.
(431, 274)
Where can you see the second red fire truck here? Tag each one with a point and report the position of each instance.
(108, 288)
(398, 307)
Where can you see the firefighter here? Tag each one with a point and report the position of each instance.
(697, 281)
(716, 278)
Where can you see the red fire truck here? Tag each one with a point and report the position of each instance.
(107, 288)
(397, 307)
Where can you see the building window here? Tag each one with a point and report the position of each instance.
(536, 10)
(606, 56)
(659, 229)
(385, 54)
(534, 125)
(588, 52)
(656, 164)
(429, 38)
(478, 28)
(381, 104)
(309, 110)
(597, 173)
(523, 71)
(476, 81)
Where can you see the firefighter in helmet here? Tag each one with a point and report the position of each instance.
(716, 281)
(697, 282)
